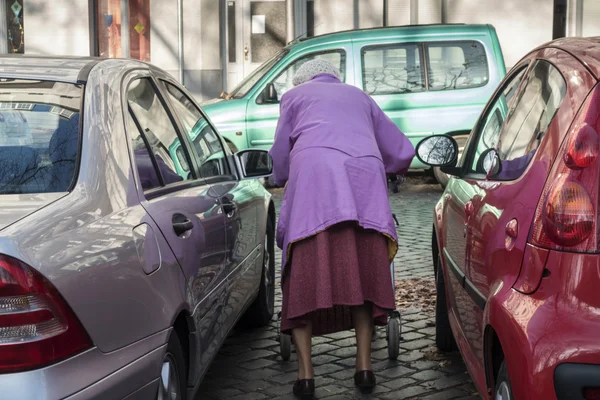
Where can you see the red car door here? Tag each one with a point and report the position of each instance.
(537, 118)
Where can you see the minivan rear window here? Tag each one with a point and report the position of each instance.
(457, 64)
(39, 135)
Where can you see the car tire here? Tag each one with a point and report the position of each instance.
(503, 387)
(232, 147)
(173, 377)
(261, 311)
(444, 338)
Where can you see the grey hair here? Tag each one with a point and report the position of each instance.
(312, 68)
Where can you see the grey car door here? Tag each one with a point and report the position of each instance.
(238, 200)
(179, 201)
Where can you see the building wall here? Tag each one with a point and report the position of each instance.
(591, 18)
(57, 27)
(517, 30)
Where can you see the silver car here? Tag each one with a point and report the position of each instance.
(131, 240)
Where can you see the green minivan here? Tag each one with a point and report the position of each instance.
(429, 79)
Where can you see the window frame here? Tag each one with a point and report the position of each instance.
(190, 145)
(469, 156)
(448, 43)
(340, 50)
(162, 190)
(396, 45)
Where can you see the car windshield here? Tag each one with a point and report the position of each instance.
(39, 135)
(248, 83)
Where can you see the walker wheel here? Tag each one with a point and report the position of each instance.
(285, 346)
(393, 338)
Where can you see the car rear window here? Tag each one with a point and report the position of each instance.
(39, 135)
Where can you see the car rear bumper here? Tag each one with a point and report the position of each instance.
(570, 380)
(129, 373)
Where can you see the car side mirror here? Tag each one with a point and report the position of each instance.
(255, 163)
(489, 163)
(438, 151)
(270, 94)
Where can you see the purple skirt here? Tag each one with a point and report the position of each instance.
(328, 273)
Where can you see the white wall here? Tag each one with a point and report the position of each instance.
(57, 27)
(591, 18)
(163, 35)
(521, 25)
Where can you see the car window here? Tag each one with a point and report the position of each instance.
(39, 135)
(537, 103)
(158, 131)
(392, 69)
(456, 65)
(210, 153)
(490, 127)
(248, 83)
(144, 162)
(283, 82)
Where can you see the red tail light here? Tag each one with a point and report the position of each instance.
(566, 216)
(37, 327)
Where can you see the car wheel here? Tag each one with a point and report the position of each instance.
(261, 311)
(443, 332)
(503, 386)
(442, 177)
(173, 375)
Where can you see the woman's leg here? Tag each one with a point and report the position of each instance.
(303, 342)
(363, 325)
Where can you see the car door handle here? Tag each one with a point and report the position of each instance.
(181, 225)
(229, 208)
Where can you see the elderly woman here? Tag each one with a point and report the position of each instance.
(332, 150)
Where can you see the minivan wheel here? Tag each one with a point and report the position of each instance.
(173, 381)
(444, 339)
(503, 386)
(261, 311)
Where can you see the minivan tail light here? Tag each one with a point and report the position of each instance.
(37, 327)
(566, 215)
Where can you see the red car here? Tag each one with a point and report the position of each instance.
(516, 238)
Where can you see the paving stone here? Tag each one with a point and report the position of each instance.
(249, 365)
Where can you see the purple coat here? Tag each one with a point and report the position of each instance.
(333, 147)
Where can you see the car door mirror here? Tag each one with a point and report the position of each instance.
(255, 163)
(438, 151)
(489, 163)
(270, 94)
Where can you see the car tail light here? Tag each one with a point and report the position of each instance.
(566, 215)
(591, 393)
(37, 327)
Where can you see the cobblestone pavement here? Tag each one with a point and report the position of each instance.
(249, 367)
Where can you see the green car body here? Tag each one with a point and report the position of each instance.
(429, 79)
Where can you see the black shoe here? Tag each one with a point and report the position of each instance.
(365, 381)
(304, 389)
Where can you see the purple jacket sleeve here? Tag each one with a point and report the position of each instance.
(282, 146)
(395, 148)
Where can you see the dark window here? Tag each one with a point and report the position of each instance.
(15, 26)
(143, 160)
(528, 121)
(209, 150)
(456, 65)
(231, 39)
(283, 82)
(39, 135)
(491, 125)
(158, 130)
(392, 69)
(310, 18)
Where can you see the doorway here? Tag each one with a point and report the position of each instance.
(256, 30)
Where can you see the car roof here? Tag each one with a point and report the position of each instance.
(586, 50)
(394, 31)
(60, 68)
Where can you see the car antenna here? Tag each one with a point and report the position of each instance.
(297, 38)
